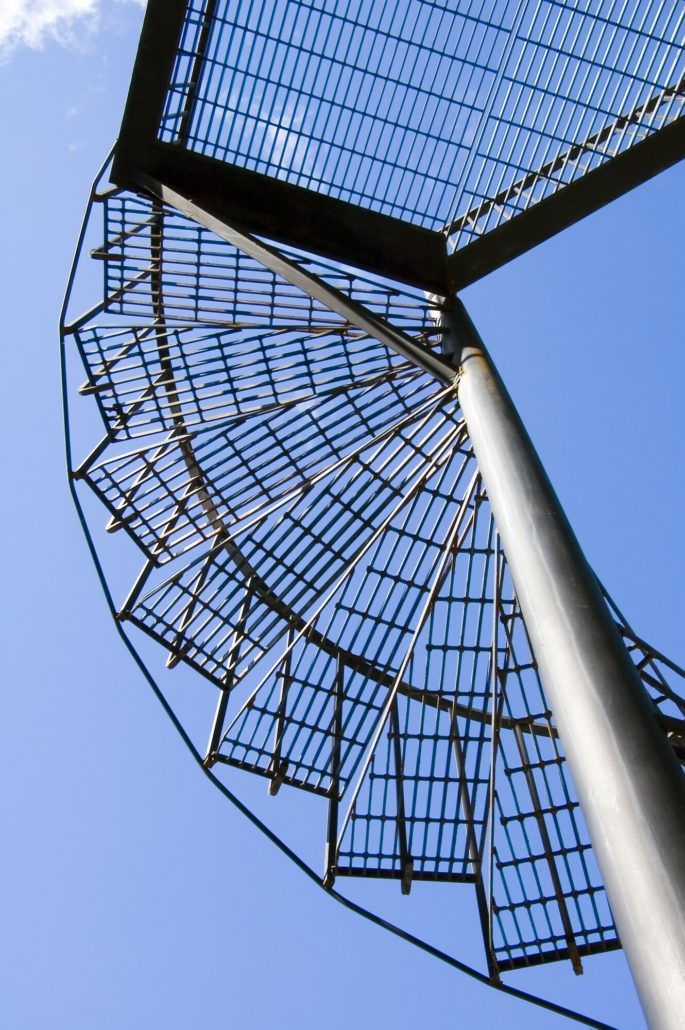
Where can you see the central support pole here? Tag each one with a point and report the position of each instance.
(629, 783)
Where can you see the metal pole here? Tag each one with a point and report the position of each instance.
(629, 783)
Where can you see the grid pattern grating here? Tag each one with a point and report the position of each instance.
(547, 892)
(447, 116)
(318, 545)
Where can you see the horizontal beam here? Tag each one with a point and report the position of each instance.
(568, 205)
(334, 228)
(270, 207)
(289, 214)
(335, 300)
(391, 874)
(507, 965)
(566, 158)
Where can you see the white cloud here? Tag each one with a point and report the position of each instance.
(32, 23)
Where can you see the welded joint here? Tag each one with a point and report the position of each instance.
(407, 875)
(277, 777)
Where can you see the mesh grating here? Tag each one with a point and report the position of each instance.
(318, 546)
(548, 897)
(444, 116)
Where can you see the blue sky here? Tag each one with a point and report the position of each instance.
(132, 894)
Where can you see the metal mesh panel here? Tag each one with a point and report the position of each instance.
(442, 115)
(548, 897)
(420, 809)
(154, 256)
(319, 546)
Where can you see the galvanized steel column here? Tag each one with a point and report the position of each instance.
(629, 783)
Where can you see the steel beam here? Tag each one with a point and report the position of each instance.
(290, 214)
(351, 233)
(629, 784)
(282, 211)
(350, 310)
(569, 205)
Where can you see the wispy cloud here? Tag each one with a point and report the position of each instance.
(33, 23)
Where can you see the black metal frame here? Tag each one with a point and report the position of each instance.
(372, 323)
(337, 229)
(239, 206)
(283, 212)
